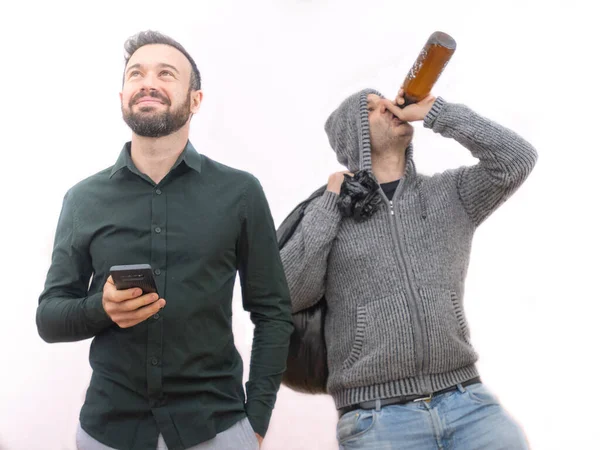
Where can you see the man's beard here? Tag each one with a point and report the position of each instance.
(383, 139)
(155, 124)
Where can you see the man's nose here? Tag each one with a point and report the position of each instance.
(149, 82)
(386, 106)
(381, 105)
(385, 103)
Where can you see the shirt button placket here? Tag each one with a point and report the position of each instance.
(158, 258)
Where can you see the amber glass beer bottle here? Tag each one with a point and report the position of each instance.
(428, 67)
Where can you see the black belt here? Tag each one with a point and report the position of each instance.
(403, 399)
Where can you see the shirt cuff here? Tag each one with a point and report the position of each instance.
(94, 311)
(259, 416)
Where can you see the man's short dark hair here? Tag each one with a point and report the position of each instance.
(149, 37)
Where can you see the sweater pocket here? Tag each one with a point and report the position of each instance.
(447, 345)
(359, 338)
(460, 316)
(383, 345)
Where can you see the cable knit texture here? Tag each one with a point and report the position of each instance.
(394, 283)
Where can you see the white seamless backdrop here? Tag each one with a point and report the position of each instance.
(272, 72)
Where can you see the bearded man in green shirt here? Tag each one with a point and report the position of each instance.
(166, 372)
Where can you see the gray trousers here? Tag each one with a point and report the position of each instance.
(238, 437)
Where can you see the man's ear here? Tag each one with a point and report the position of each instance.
(195, 101)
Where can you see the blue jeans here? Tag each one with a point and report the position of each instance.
(468, 418)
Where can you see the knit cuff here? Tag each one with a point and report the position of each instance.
(434, 112)
(328, 201)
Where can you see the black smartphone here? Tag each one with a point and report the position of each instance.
(134, 275)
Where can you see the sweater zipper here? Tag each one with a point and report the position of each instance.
(412, 300)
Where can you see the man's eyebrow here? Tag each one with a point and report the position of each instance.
(139, 66)
(134, 66)
(169, 66)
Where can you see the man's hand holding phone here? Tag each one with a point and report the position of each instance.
(128, 307)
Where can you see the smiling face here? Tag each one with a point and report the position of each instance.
(386, 130)
(157, 97)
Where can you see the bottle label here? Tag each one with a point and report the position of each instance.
(414, 70)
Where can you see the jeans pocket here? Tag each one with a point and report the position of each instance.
(355, 424)
(481, 394)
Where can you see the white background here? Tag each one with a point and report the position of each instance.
(272, 72)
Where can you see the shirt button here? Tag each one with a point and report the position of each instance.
(156, 316)
(158, 192)
(154, 361)
(156, 271)
(157, 229)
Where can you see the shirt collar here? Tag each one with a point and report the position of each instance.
(189, 156)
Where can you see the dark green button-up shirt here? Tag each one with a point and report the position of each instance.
(178, 373)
